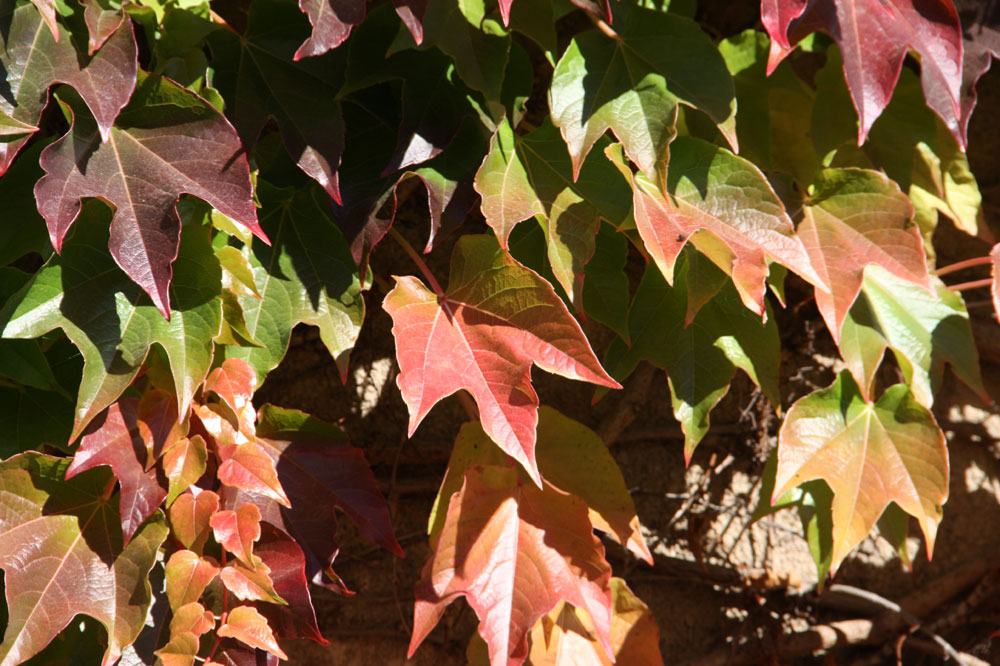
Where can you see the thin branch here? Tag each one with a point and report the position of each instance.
(602, 26)
(962, 265)
(405, 244)
(975, 284)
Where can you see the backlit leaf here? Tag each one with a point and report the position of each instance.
(184, 463)
(189, 518)
(483, 334)
(249, 467)
(181, 650)
(253, 584)
(192, 618)
(245, 624)
(237, 530)
(332, 21)
(187, 577)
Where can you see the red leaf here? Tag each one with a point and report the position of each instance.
(237, 530)
(995, 287)
(101, 23)
(35, 58)
(874, 36)
(247, 625)
(159, 422)
(114, 441)
(187, 577)
(332, 21)
(288, 573)
(234, 381)
(141, 169)
(250, 467)
(483, 335)
(189, 518)
(412, 13)
(514, 551)
(596, 7)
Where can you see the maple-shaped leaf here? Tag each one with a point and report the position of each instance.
(853, 218)
(632, 85)
(234, 381)
(114, 441)
(249, 467)
(530, 176)
(572, 458)
(141, 169)
(160, 425)
(869, 454)
(566, 637)
(34, 58)
(112, 322)
(874, 36)
(192, 618)
(188, 574)
(924, 330)
(245, 624)
(514, 551)
(62, 553)
(258, 77)
(709, 189)
(332, 21)
(189, 518)
(700, 358)
(305, 276)
(237, 530)
(483, 334)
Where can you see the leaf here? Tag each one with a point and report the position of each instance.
(332, 21)
(925, 331)
(710, 189)
(112, 323)
(632, 85)
(183, 464)
(483, 334)
(305, 276)
(282, 554)
(192, 618)
(412, 14)
(854, 218)
(247, 625)
(529, 176)
(35, 57)
(874, 36)
(187, 577)
(565, 637)
(237, 530)
(114, 441)
(180, 651)
(73, 537)
(514, 551)
(253, 584)
(257, 76)
(103, 18)
(605, 285)
(700, 358)
(141, 169)
(189, 518)
(249, 467)
(870, 454)
(572, 458)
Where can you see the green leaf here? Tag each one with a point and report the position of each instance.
(24, 230)
(112, 322)
(701, 358)
(74, 537)
(632, 84)
(924, 330)
(605, 285)
(870, 454)
(306, 276)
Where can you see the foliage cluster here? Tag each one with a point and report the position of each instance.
(211, 176)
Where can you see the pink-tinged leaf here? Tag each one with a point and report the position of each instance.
(47, 8)
(566, 637)
(61, 550)
(189, 518)
(250, 467)
(234, 381)
(322, 471)
(855, 218)
(245, 624)
(183, 464)
(192, 618)
(34, 60)
(874, 37)
(113, 439)
(870, 454)
(237, 530)
(995, 287)
(187, 577)
(250, 584)
(412, 14)
(181, 650)
(776, 15)
(159, 422)
(103, 17)
(287, 563)
(142, 168)
(595, 7)
(332, 21)
(514, 551)
(505, 11)
(483, 334)
(711, 190)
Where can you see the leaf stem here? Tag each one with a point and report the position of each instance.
(602, 26)
(962, 265)
(469, 404)
(405, 244)
(975, 284)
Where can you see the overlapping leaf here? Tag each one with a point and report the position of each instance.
(143, 167)
(34, 59)
(631, 84)
(483, 334)
(332, 21)
(62, 554)
(112, 322)
(514, 551)
(869, 454)
(187, 575)
(245, 624)
(874, 37)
